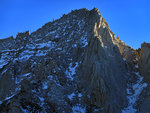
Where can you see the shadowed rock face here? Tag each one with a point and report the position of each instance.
(144, 60)
(73, 64)
(143, 55)
(144, 68)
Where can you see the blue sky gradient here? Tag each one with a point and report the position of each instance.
(128, 19)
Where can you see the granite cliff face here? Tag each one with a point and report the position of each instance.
(144, 60)
(144, 69)
(73, 64)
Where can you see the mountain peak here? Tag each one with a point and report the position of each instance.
(73, 64)
(96, 10)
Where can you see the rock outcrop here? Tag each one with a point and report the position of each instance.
(144, 69)
(103, 81)
(144, 60)
(73, 64)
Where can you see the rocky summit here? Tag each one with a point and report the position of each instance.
(74, 64)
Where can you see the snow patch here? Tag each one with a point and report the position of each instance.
(3, 63)
(55, 80)
(47, 44)
(19, 78)
(8, 50)
(84, 41)
(27, 74)
(4, 71)
(105, 47)
(99, 109)
(30, 46)
(78, 109)
(41, 53)
(7, 98)
(24, 110)
(71, 96)
(124, 59)
(25, 57)
(133, 97)
(136, 66)
(45, 86)
(59, 49)
(71, 71)
(41, 99)
(74, 45)
(52, 32)
(79, 95)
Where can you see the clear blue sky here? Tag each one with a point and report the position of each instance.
(128, 19)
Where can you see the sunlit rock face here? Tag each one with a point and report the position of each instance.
(73, 64)
(103, 83)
